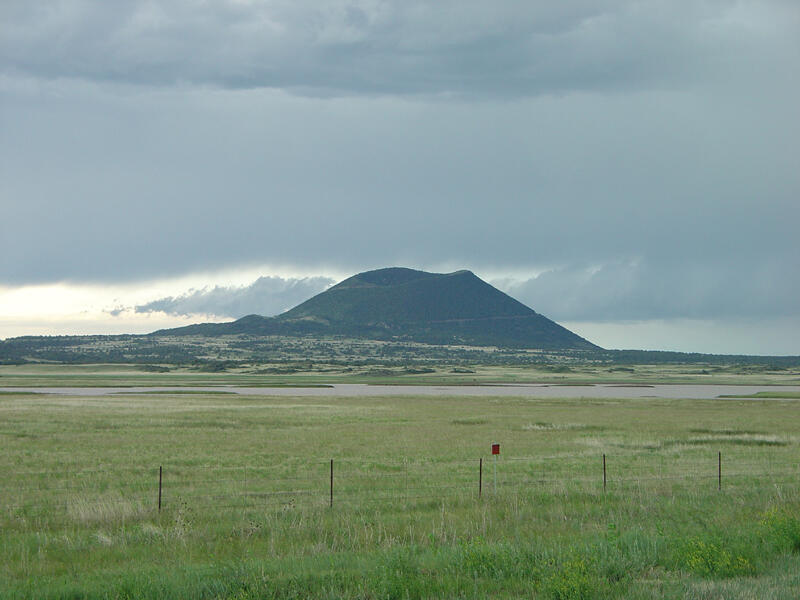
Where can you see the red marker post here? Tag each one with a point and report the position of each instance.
(495, 453)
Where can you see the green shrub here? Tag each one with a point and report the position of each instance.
(711, 559)
(572, 580)
(782, 529)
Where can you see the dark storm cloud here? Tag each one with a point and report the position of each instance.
(265, 296)
(107, 188)
(389, 47)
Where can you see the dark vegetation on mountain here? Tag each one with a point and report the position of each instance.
(407, 305)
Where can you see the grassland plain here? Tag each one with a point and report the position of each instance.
(246, 495)
(306, 373)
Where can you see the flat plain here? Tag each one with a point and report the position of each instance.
(699, 498)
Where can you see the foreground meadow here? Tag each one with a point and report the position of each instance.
(247, 511)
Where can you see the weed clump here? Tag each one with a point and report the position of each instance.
(782, 529)
(574, 579)
(712, 559)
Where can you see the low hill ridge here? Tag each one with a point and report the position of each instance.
(398, 303)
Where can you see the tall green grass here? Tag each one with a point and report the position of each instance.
(245, 498)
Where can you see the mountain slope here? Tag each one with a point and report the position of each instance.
(404, 304)
(396, 296)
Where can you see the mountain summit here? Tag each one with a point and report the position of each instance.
(405, 304)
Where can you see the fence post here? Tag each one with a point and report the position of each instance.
(159, 488)
(405, 475)
(331, 505)
(495, 474)
(480, 477)
(604, 472)
(719, 470)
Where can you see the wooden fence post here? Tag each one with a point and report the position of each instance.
(604, 472)
(159, 488)
(331, 505)
(480, 477)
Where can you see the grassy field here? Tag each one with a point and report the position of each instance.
(56, 375)
(246, 494)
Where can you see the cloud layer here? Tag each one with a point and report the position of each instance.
(621, 291)
(266, 296)
(392, 47)
(636, 290)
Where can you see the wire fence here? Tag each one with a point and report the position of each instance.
(88, 493)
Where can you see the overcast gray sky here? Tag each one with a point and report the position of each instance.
(629, 168)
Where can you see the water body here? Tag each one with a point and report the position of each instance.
(360, 389)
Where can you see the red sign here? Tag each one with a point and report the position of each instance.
(495, 448)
